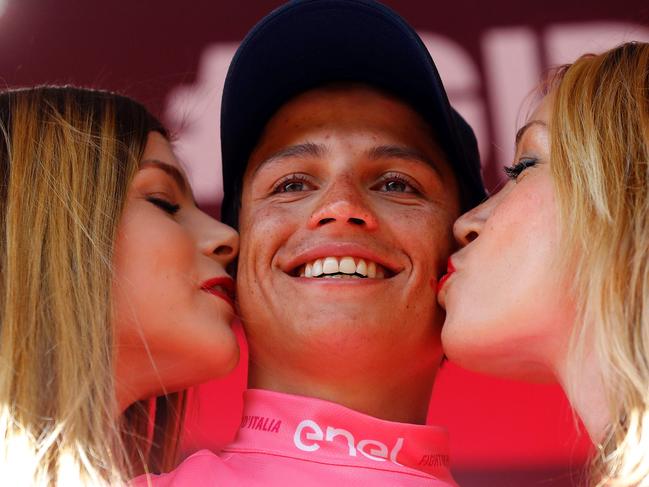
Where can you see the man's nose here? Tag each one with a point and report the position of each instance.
(343, 203)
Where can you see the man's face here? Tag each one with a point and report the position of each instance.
(346, 182)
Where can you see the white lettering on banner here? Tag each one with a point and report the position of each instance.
(372, 449)
(566, 42)
(513, 66)
(195, 112)
(512, 70)
(461, 78)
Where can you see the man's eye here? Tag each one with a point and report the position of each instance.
(293, 184)
(164, 205)
(398, 186)
(396, 183)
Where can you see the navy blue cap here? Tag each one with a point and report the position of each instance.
(307, 43)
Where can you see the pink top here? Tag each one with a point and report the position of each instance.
(300, 441)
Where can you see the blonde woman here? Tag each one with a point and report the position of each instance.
(552, 281)
(113, 290)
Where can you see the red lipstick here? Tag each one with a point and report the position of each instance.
(222, 287)
(450, 269)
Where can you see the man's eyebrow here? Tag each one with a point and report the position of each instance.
(401, 152)
(172, 171)
(523, 129)
(307, 149)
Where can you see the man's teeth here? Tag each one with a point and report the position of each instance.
(342, 267)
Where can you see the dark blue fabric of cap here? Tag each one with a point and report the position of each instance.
(307, 43)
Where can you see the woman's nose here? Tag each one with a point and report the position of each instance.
(469, 226)
(219, 240)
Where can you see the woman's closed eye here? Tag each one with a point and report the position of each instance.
(164, 204)
(515, 170)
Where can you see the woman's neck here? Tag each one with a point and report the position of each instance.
(584, 387)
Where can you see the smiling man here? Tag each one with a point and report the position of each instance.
(346, 210)
(344, 169)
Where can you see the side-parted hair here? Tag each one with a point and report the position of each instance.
(599, 136)
(67, 157)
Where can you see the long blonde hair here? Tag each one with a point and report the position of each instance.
(600, 164)
(67, 156)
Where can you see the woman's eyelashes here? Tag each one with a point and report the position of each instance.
(515, 170)
(163, 204)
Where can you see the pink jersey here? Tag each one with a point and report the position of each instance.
(288, 440)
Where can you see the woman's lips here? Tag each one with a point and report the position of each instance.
(450, 269)
(222, 287)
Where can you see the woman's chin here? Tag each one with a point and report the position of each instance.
(504, 360)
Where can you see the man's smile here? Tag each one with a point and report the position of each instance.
(342, 260)
(342, 268)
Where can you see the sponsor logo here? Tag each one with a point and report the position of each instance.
(434, 461)
(262, 423)
(309, 436)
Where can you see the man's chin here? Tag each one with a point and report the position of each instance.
(331, 328)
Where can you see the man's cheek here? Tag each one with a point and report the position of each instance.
(277, 211)
(262, 221)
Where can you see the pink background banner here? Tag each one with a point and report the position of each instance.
(173, 56)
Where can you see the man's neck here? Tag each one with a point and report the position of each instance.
(392, 399)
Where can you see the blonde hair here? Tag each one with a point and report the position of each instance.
(67, 156)
(599, 136)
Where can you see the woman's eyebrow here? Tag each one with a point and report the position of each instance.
(524, 128)
(172, 171)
